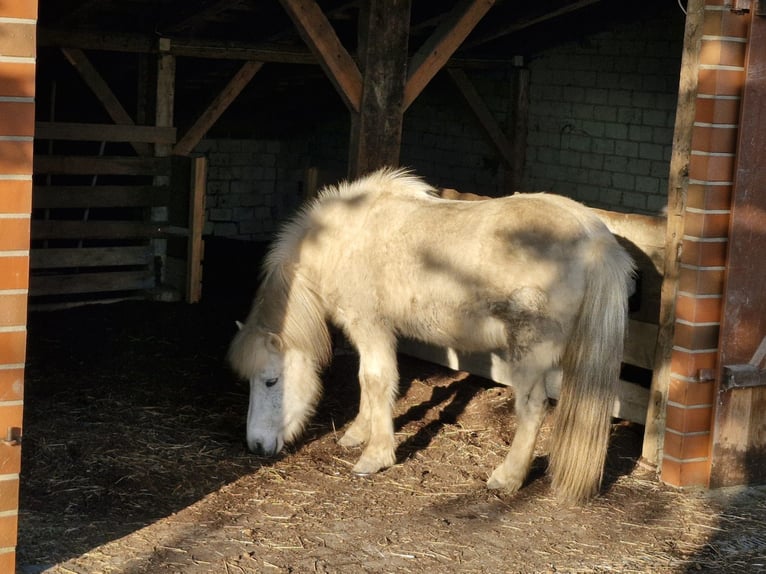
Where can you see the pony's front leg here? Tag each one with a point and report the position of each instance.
(531, 405)
(378, 378)
(358, 431)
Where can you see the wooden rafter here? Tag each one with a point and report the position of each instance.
(516, 25)
(318, 33)
(483, 114)
(235, 86)
(208, 12)
(103, 92)
(438, 49)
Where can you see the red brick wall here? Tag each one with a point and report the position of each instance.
(17, 110)
(688, 433)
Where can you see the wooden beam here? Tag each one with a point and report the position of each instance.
(90, 282)
(76, 196)
(435, 52)
(187, 47)
(321, 39)
(58, 258)
(511, 25)
(654, 432)
(376, 131)
(104, 132)
(219, 105)
(50, 229)
(100, 165)
(484, 115)
(103, 92)
(208, 12)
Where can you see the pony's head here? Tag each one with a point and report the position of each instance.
(284, 388)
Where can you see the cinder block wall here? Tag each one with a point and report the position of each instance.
(601, 120)
(601, 116)
(17, 109)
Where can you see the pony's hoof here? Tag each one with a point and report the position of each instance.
(367, 465)
(366, 468)
(348, 441)
(499, 482)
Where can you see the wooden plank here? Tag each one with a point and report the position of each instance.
(44, 196)
(376, 132)
(219, 105)
(53, 258)
(631, 402)
(317, 32)
(640, 345)
(435, 52)
(484, 115)
(49, 229)
(103, 92)
(90, 283)
(654, 433)
(104, 132)
(740, 425)
(100, 165)
(196, 227)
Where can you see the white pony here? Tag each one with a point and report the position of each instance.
(534, 278)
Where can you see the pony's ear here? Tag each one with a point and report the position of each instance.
(240, 324)
(273, 342)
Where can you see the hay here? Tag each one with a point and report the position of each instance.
(134, 462)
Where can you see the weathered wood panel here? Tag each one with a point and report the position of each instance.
(51, 229)
(90, 283)
(101, 165)
(53, 258)
(739, 450)
(69, 131)
(48, 197)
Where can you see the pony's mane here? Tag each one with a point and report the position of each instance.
(400, 181)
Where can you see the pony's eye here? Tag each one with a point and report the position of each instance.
(271, 382)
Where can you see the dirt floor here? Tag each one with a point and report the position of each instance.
(134, 462)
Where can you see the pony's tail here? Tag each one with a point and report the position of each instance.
(591, 368)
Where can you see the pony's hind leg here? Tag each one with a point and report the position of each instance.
(531, 401)
(378, 379)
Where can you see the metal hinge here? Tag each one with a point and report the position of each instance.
(13, 436)
(745, 376)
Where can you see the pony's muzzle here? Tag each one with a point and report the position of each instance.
(262, 447)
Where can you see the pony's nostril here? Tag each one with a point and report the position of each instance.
(257, 448)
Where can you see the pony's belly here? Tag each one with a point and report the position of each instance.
(463, 333)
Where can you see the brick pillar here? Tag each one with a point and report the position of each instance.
(688, 433)
(17, 109)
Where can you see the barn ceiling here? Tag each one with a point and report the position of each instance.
(214, 36)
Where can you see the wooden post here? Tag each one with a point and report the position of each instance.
(740, 425)
(165, 96)
(654, 433)
(376, 130)
(196, 247)
(518, 118)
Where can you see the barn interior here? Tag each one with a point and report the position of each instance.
(175, 136)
